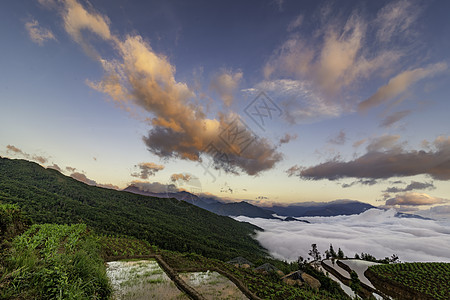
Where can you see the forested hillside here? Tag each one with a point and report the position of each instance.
(47, 196)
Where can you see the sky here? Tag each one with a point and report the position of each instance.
(264, 101)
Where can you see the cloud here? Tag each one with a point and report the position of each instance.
(77, 19)
(414, 199)
(394, 117)
(414, 185)
(147, 169)
(225, 84)
(294, 170)
(359, 143)
(55, 167)
(47, 3)
(180, 176)
(441, 212)
(108, 186)
(339, 139)
(374, 231)
(299, 102)
(38, 34)
(155, 187)
(82, 177)
(71, 169)
(39, 158)
(395, 19)
(297, 22)
(384, 142)
(361, 181)
(335, 57)
(345, 53)
(13, 149)
(279, 3)
(385, 164)
(138, 77)
(400, 84)
(287, 138)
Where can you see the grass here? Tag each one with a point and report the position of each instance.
(53, 261)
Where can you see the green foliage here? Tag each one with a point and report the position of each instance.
(55, 262)
(432, 279)
(12, 222)
(122, 246)
(386, 260)
(50, 197)
(314, 252)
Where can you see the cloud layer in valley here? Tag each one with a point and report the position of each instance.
(375, 231)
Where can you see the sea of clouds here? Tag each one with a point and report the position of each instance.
(374, 231)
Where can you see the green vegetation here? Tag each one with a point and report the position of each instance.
(12, 223)
(355, 283)
(51, 261)
(369, 257)
(122, 246)
(432, 279)
(50, 197)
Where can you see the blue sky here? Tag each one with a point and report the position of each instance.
(121, 92)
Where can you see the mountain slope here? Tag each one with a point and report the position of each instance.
(224, 209)
(324, 209)
(50, 197)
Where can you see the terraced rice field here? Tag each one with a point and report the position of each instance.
(212, 285)
(141, 279)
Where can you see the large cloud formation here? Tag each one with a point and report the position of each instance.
(140, 76)
(375, 231)
(384, 160)
(344, 52)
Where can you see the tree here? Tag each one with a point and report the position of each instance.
(332, 252)
(314, 253)
(394, 259)
(340, 253)
(301, 262)
(356, 256)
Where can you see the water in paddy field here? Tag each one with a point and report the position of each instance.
(142, 279)
(212, 285)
